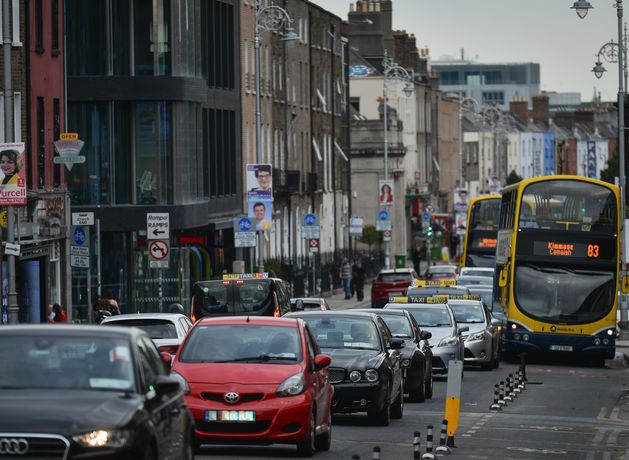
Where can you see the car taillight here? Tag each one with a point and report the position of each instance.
(172, 349)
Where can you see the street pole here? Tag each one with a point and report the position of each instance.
(387, 244)
(258, 124)
(9, 136)
(460, 143)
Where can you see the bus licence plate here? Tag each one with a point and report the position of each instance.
(561, 347)
(230, 416)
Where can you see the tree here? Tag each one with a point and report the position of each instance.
(513, 178)
(370, 236)
(610, 173)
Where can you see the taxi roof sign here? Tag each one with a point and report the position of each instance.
(245, 276)
(440, 283)
(418, 299)
(462, 296)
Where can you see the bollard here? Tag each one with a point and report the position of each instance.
(517, 388)
(523, 365)
(442, 448)
(376, 453)
(416, 445)
(496, 405)
(501, 399)
(507, 390)
(522, 380)
(512, 387)
(429, 453)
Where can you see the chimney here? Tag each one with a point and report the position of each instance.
(520, 107)
(540, 108)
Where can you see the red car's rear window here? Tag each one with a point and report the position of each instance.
(393, 277)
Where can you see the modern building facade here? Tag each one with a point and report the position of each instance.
(154, 92)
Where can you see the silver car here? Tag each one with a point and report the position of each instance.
(482, 339)
(477, 271)
(468, 280)
(446, 340)
(166, 329)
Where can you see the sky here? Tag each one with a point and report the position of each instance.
(547, 32)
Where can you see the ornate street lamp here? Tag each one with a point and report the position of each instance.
(581, 7)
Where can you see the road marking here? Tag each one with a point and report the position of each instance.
(538, 451)
(602, 413)
(600, 434)
(615, 413)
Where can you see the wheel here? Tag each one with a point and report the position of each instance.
(324, 441)
(397, 408)
(306, 448)
(383, 416)
(419, 393)
(187, 449)
(428, 386)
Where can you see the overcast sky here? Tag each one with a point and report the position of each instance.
(547, 32)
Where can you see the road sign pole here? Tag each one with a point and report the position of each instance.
(98, 271)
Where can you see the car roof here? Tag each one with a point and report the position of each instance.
(406, 306)
(250, 320)
(475, 277)
(329, 313)
(464, 302)
(396, 270)
(171, 316)
(72, 329)
(381, 311)
(307, 299)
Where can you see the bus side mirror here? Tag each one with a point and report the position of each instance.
(624, 287)
(504, 276)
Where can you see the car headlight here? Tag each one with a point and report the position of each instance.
(371, 375)
(477, 336)
(182, 381)
(406, 362)
(354, 376)
(292, 386)
(103, 438)
(448, 341)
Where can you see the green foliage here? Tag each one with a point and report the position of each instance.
(371, 236)
(513, 178)
(610, 173)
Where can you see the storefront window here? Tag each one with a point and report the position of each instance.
(89, 182)
(123, 179)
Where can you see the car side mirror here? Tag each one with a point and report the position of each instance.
(321, 361)
(463, 329)
(396, 344)
(425, 335)
(166, 385)
(299, 305)
(167, 358)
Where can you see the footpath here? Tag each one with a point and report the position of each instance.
(336, 299)
(622, 351)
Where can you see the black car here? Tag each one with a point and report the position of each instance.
(416, 354)
(366, 368)
(69, 392)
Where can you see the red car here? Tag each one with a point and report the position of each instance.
(256, 380)
(391, 283)
(442, 272)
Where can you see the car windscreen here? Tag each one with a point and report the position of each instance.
(467, 313)
(229, 343)
(155, 328)
(66, 362)
(233, 297)
(486, 296)
(344, 332)
(394, 277)
(399, 326)
(475, 280)
(431, 316)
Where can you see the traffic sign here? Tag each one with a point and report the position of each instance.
(356, 226)
(313, 244)
(159, 253)
(311, 228)
(311, 220)
(244, 224)
(383, 214)
(157, 225)
(82, 218)
(386, 235)
(426, 215)
(79, 257)
(80, 236)
(12, 249)
(244, 233)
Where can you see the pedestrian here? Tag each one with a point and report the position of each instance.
(111, 303)
(359, 276)
(345, 273)
(422, 253)
(50, 316)
(416, 259)
(59, 314)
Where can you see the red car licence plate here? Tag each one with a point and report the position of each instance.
(230, 416)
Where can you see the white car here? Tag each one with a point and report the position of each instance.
(166, 329)
(477, 271)
(468, 280)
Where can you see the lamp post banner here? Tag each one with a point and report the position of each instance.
(460, 200)
(261, 213)
(260, 182)
(385, 192)
(12, 174)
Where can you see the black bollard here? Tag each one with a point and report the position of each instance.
(376, 453)
(355, 457)
(508, 389)
(429, 454)
(501, 399)
(512, 392)
(523, 365)
(416, 445)
(496, 404)
(442, 447)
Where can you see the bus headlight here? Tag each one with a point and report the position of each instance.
(610, 332)
(597, 341)
(526, 337)
(517, 336)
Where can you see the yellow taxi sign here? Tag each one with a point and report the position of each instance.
(245, 276)
(419, 299)
(439, 283)
(462, 296)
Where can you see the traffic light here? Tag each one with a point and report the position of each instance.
(429, 231)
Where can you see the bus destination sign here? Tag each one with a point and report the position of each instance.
(557, 249)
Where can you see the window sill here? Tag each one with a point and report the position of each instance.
(55, 52)
(39, 50)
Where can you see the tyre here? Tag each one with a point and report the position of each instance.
(428, 386)
(150, 453)
(419, 393)
(397, 408)
(187, 449)
(383, 416)
(324, 440)
(306, 448)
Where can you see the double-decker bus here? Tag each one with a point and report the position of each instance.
(479, 247)
(557, 266)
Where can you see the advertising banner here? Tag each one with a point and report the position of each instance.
(385, 194)
(460, 200)
(259, 182)
(12, 174)
(261, 213)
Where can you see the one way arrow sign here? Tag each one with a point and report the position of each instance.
(157, 225)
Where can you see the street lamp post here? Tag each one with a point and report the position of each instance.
(271, 19)
(582, 7)
(391, 70)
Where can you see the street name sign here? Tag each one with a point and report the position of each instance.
(82, 218)
(157, 225)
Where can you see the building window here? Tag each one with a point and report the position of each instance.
(494, 97)
(56, 132)
(41, 142)
(219, 145)
(83, 40)
(151, 37)
(219, 50)
(55, 27)
(39, 26)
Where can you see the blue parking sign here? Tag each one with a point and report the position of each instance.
(426, 215)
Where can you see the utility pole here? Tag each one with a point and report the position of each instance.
(9, 136)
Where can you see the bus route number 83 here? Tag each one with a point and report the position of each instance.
(593, 250)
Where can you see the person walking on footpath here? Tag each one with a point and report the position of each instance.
(422, 253)
(345, 273)
(359, 275)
